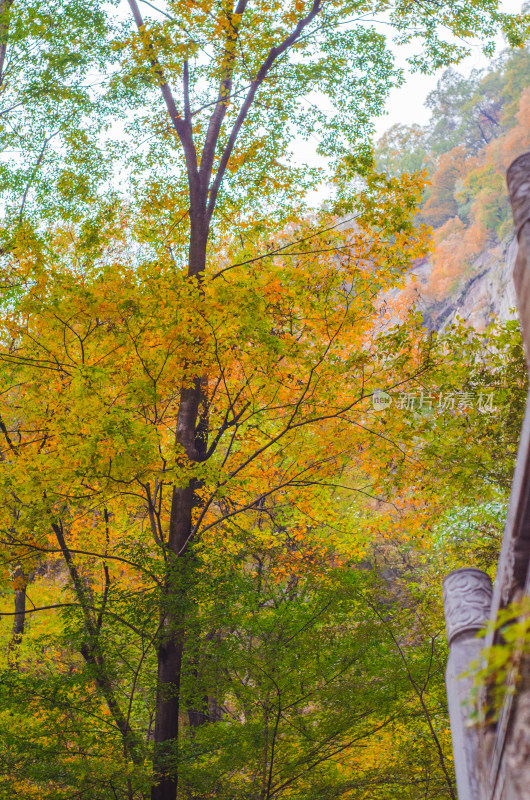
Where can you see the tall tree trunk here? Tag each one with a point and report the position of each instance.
(210, 710)
(17, 632)
(171, 645)
(191, 434)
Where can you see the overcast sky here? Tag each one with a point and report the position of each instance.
(405, 105)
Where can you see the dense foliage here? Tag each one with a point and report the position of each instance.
(220, 563)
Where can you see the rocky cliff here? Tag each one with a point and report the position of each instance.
(479, 125)
(484, 293)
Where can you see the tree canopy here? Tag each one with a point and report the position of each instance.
(191, 469)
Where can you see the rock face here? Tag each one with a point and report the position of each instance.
(485, 293)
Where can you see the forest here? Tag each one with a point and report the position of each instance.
(235, 460)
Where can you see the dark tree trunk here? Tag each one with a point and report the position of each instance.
(20, 618)
(191, 434)
(170, 648)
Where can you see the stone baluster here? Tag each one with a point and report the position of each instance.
(467, 601)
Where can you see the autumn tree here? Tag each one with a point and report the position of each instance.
(184, 345)
(92, 377)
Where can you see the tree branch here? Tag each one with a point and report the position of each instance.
(274, 53)
(182, 127)
(223, 97)
(5, 5)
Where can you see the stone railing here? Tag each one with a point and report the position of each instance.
(492, 762)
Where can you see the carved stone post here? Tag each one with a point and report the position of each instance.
(518, 179)
(467, 602)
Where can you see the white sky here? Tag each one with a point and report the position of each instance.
(405, 105)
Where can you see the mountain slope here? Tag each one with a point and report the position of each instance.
(478, 127)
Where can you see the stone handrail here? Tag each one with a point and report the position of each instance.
(493, 762)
